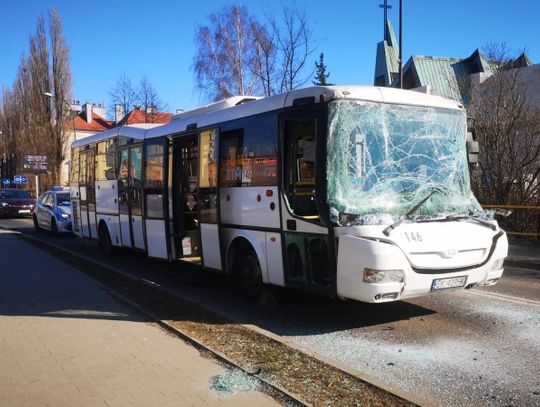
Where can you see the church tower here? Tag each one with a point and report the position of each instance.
(387, 61)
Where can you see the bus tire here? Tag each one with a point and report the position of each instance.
(248, 274)
(104, 239)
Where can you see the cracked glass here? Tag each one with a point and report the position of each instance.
(385, 158)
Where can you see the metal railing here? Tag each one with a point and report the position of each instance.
(512, 221)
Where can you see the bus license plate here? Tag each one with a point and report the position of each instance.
(450, 282)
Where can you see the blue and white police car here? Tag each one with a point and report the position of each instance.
(53, 211)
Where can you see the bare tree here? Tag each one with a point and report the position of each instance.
(123, 95)
(31, 124)
(60, 82)
(294, 43)
(237, 55)
(265, 55)
(507, 127)
(224, 61)
(149, 100)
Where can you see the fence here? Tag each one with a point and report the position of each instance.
(524, 221)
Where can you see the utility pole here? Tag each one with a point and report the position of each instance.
(401, 44)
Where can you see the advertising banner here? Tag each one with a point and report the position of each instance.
(35, 163)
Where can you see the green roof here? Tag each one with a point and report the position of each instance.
(440, 74)
(443, 74)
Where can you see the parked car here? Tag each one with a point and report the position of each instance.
(15, 202)
(53, 211)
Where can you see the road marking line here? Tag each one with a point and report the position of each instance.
(505, 297)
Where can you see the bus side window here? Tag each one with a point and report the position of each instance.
(135, 162)
(231, 147)
(299, 169)
(123, 170)
(75, 166)
(154, 180)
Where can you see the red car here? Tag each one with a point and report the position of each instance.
(15, 202)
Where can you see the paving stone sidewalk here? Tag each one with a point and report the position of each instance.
(64, 341)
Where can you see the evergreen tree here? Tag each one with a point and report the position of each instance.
(321, 76)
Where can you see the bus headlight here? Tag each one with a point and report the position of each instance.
(497, 265)
(383, 276)
(64, 216)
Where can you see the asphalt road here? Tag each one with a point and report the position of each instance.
(477, 347)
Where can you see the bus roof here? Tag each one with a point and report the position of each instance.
(134, 131)
(243, 106)
(230, 108)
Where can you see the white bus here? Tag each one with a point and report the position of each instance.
(355, 192)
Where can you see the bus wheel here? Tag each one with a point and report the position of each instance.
(104, 240)
(249, 275)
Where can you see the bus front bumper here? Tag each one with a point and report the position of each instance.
(400, 281)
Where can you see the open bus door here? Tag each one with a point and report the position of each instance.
(195, 201)
(208, 207)
(185, 199)
(308, 250)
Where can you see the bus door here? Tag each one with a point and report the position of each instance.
(307, 245)
(155, 204)
(130, 197)
(208, 213)
(75, 192)
(87, 193)
(185, 191)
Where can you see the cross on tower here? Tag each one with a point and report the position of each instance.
(385, 6)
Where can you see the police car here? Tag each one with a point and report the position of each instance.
(53, 211)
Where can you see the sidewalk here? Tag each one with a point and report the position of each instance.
(64, 341)
(524, 256)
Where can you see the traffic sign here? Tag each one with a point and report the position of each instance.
(20, 179)
(6, 181)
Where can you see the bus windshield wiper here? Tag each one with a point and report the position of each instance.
(411, 211)
(468, 217)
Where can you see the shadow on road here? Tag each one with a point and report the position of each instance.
(291, 313)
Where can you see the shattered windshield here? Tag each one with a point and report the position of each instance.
(383, 159)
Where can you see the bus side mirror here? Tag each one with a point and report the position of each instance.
(472, 149)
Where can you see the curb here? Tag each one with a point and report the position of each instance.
(527, 264)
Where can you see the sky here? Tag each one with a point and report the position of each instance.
(155, 38)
